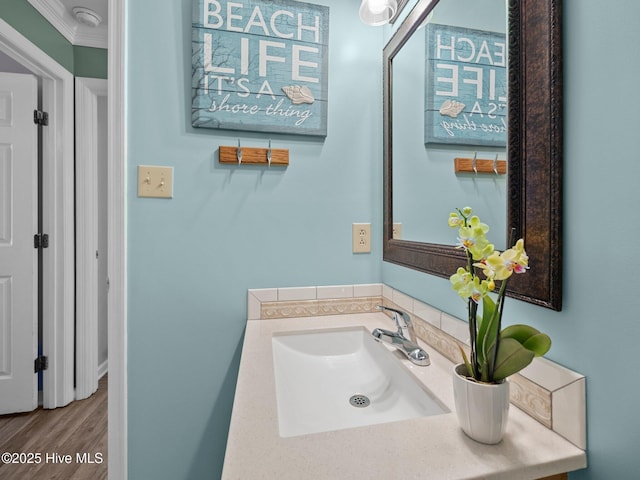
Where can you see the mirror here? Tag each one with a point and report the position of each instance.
(460, 112)
(533, 185)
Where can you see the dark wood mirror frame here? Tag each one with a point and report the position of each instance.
(534, 152)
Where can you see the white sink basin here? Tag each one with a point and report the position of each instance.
(342, 378)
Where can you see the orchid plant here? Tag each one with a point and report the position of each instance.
(495, 353)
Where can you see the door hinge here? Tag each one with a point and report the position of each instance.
(41, 363)
(40, 117)
(41, 240)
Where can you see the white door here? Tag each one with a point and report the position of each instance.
(18, 257)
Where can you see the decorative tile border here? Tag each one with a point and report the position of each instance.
(551, 394)
(270, 303)
(312, 308)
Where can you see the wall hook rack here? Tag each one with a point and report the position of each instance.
(480, 166)
(277, 157)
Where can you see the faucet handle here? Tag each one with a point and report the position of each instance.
(406, 318)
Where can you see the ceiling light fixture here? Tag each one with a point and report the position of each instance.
(377, 12)
(87, 16)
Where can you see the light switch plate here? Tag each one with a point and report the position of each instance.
(155, 181)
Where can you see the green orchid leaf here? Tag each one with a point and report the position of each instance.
(539, 344)
(518, 332)
(512, 357)
(486, 334)
(530, 338)
(466, 362)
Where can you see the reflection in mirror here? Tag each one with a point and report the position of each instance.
(462, 70)
(463, 45)
(413, 163)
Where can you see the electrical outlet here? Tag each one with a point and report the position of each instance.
(397, 231)
(361, 237)
(155, 182)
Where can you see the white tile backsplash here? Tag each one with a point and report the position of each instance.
(549, 374)
(368, 290)
(405, 302)
(296, 293)
(255, 297)
(336, 291)
(253, 307)
(455, 327)
(427, 313)
(387, 291)
(265, 294)
(568, 412)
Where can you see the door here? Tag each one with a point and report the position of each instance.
(18, 257)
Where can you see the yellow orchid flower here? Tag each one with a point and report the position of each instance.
(455, 220)
(471, 234)
(500, 266)
(474, 240)
(470, 286)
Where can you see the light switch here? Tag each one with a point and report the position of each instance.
(155, 181)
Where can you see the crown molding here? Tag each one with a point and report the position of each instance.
(63, 21)
(91, 37)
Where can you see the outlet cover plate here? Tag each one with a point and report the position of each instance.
(361, 237)
(397, 231)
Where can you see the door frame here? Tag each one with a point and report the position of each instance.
(58, 189)
(58, 219)
(87, 91)
(117, 239)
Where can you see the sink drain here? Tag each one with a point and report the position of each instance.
(359, 401)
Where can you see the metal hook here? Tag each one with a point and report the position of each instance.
(495, 165)
(269, 153)
(239, 153)
(473, 163)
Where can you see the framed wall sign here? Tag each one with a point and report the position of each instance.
(466, 86)
(260, 65)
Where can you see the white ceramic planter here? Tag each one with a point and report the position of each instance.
(482, 409)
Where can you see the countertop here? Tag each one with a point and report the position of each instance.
(423, 448)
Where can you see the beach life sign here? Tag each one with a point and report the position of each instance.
(466, 86)
(260, 65)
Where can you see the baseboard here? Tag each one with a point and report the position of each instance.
(103, 368)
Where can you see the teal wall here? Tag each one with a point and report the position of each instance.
(597, 331)
(81, 61)
(192, 258)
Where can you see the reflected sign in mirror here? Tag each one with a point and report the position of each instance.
(466, 86)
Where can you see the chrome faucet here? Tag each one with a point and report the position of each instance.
(408, 346)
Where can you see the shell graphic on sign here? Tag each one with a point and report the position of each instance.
(451, 108)
(298, 94)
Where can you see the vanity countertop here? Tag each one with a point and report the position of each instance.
(425, 448)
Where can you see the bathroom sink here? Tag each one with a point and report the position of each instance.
(343, 378)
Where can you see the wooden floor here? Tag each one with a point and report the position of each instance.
(68, 443)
